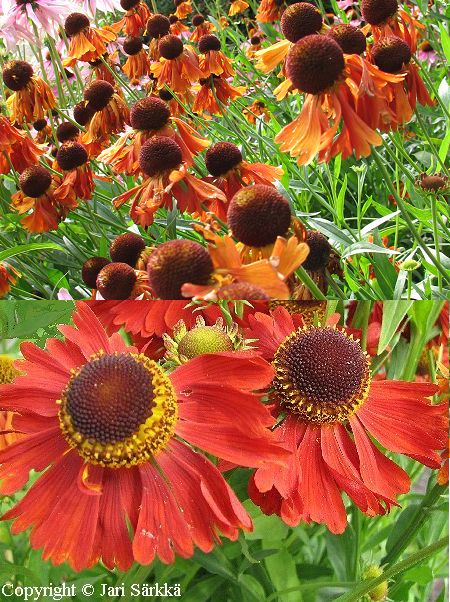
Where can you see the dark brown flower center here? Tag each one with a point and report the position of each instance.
(132, 45)
(35, 181)
(322, 374)
(71, 155)
(118, 410)
(391, 54)
(110, 397)
(319, 251)
(150, 113)
(175, 263)
(376, 12)
(350, 38)
(17, 75)
(98, 94)
(127, 248)
(116, 281)
(300, 20)
(258, 214)
(170, 47)
(75, 23)
(91, 269)
(66, 131)
(222, 157)
(207, 43)
(158, 26)
(315, 63)
(159, 154)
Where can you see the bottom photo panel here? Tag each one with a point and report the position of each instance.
(228, 451)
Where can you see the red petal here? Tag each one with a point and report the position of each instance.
(243, 370)
(379, 473)
(321, 497)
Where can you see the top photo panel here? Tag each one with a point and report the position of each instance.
(227, 150)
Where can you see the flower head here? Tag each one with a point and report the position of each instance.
(106, 423)
(329, 408)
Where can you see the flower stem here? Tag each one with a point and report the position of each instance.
(367, 586)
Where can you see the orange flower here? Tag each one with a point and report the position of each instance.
(150, 117)
(73, 159)
(393, 55)
(167, 178)
(212, 59)
(299, 20)
(134, 21)
(158, 26)
(176, 26)
(7, 278)
(201, 28)
(137, 64)
(269, 274)
(18, 146)
(32, 98)
(237, 6)
(110, 116)
(212, 88)
(269, 11)
(231, 173)
(178, 66)
(335, 94)
(255, 110)
(184, 8)
(386, 19)
(37, 194)
(87, 43)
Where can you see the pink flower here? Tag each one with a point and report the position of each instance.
(17, 23)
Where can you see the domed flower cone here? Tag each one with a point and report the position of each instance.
(212, 60)
(332, 409)
(37, 194)
(151, 117)
(231, 173)
(32, 98)
(178, 66)
(86, 43)
(18, 146)
(167, 178)
(115, 435)
(134, 21)
(237, 7)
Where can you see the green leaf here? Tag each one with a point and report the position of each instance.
(445, 41)
(20, 249)
(393, 313)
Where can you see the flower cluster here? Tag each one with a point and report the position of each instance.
(132, 440)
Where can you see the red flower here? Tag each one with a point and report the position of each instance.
(332, 409)
(111, 429)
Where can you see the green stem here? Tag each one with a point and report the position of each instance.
(309, 282)
(407, 217)
(421, 514)
(367, 586)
